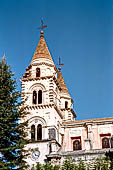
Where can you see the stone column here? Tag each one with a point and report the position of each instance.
(87, 144)
(89, 140)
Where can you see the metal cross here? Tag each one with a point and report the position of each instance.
(60, 64)
(42, 25)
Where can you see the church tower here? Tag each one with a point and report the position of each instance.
(46, 97)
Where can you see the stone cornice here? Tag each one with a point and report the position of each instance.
(36, 78)
(83, 123)
(40, 78)
(42, 106)
(80, 153)
(56, 155)
(85, 152)
(42, 63)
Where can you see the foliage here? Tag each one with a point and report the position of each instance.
(12, 134)
(56, 167)
(48, 166)
(109, 155)
(81, 165)
(39, 166)
(111, 165)
(102, 164)
(69, 164)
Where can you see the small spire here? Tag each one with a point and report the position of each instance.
(61, 82)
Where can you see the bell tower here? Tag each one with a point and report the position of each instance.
(46, 98)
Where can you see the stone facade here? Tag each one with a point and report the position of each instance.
(53, 130)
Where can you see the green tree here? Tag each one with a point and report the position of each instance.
(105, 164)
(48, 166)
(109, 155)
(81, 165)
(12, 133)
(68, 164)
(111, 165)
(56, 167)
(39, 166)
(102, 164)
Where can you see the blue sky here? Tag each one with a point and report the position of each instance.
(80, 31)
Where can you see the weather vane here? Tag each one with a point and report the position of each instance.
(42, 25)
(60, 64)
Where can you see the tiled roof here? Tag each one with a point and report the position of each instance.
(61, 82)
(42, 49)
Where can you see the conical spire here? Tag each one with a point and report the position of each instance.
(42, 49)
(61, 82)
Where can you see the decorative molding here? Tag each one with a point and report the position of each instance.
(41, 63)
(82, 123)
(36, 78)
(33, 107)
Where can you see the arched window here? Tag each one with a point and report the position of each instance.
(33, 132)
(39, 132)
(105, 143)
(66, 104)
(76, 145)
(37, 72)
(39, 96)
(34, 97)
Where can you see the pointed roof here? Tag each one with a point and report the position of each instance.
(61, 82)
(42, 49)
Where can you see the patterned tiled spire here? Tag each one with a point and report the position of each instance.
(42, 49)
(61, 82)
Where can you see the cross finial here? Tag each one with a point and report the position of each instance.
(42, 25)
(60, 64)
